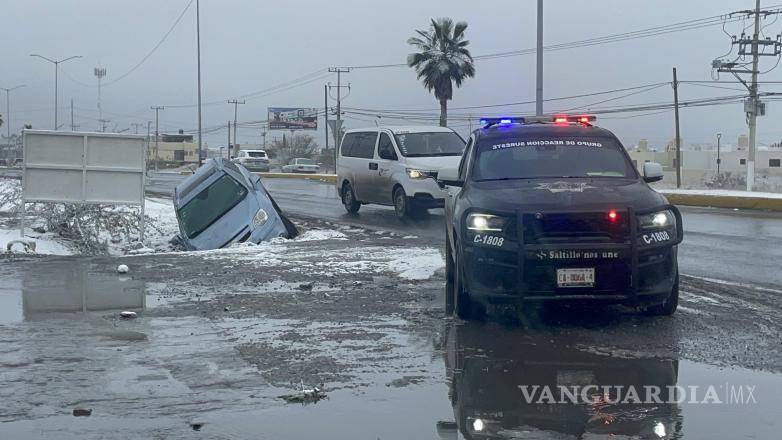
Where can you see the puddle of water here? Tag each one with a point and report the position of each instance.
(67, 286)
(484, 372)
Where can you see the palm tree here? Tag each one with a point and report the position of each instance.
(442, 61)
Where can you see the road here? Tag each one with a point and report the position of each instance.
(719, 243)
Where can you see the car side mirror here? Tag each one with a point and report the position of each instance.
(653, 172)
(449, 177)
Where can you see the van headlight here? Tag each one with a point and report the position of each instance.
(657, 220)
(485, 222)
(260, 218)
(420, 174)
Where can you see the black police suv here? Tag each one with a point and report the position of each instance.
(552, 209)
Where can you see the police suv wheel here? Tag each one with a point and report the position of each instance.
(450, 275)
(668, 307)
(464, 306)
(349, 199)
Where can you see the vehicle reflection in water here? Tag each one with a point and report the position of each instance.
(78, 286)
(489, 371)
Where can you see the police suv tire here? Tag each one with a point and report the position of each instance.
(403, 205)
(464, 306)
(450, 275)
(668, 307)
(349, 199)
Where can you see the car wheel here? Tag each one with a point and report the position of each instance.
(349, 199)
(402, 205)
(668, 307)
(464, 306)
(450, 275)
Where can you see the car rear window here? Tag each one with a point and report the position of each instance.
(257, 154)
(550, 157)
(210, 204)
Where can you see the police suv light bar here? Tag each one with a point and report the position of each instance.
(557, 119)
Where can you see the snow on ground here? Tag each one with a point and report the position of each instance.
(45, 243)
(722, 193)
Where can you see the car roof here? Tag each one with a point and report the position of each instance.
(498, 132)
(255, 151)
(399, 129)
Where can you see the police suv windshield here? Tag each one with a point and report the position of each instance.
(429, 144)
(550, 157)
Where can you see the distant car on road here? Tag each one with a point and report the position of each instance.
(222, 203)
(396, 166)
(253, 160)
(301, 165)
(551, 209)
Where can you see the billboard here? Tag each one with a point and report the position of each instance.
(293, 118)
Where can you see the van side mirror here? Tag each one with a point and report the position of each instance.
(653, 172)
(449, 177)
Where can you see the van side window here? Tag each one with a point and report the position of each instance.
(348, 141)
(364, 146)
(465, 159)
(385, 148)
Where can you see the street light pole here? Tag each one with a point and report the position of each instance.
(539, 70)
(8, 107)
(198, 45)
(56, 68)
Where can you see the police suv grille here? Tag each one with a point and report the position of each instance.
(572, 228)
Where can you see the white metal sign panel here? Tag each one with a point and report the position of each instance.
(77, 167)
(74, 167)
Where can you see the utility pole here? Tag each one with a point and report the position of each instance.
(198, 45)
(157, 134)
(678, 137)
(56, 68)
(8, 107)
(338, 125)
(719, 135)
(236, 112)
(135, 125)
(229, 139)
(326, 112)
(753, 107)
(147, 155)
(539, 73)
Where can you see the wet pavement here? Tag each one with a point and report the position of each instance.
(221, 335)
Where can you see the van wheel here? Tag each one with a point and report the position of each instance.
(349, 199)
(668, 307)
(402, 205)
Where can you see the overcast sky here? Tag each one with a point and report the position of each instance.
(250, 45)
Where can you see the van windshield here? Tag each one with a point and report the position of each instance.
(429, 144)
(548, 157)
(210, 204)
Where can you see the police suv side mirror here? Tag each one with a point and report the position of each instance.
(449, 177)
(653, 172)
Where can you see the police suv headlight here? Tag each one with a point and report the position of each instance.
(657, 220)
(485, 222)
(260, 218)
(420, 174)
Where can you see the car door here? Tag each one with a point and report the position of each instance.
(367, 166)
(387, 160)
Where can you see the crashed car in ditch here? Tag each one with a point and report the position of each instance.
(222, 203)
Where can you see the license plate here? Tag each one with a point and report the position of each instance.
(576, 277)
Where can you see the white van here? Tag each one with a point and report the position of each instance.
(396, 166)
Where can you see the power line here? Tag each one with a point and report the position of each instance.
(145, 58)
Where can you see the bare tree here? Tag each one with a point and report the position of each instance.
(296, 145)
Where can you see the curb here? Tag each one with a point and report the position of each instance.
(723, 201)
(329, 178)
